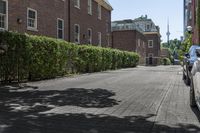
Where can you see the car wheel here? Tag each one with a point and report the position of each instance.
(192, 95)
(187, 80)
(184, 76)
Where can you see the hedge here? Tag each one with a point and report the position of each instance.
(35, 57)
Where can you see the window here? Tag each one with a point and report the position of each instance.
(77, 3)
(60, 28)
(89, 36)
(148, 27)
(138, 42)
(150, 43)
(90, 7)
(76, 33)
(3, 15)
(190, 15)
(99, 38)
(32, 19)
(99, 11)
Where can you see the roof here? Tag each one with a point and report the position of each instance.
(105, 4)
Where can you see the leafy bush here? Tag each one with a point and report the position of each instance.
(36, 58)
(165, 61)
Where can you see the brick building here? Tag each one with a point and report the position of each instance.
(130, 40)
(191, 8)
(140, 35)
(82, 22)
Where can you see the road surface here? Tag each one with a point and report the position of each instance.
(134, 100)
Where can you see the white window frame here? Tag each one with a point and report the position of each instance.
(99, 11)
(149, 44)
(63, 24)
(6, 17)
(90, 7)
(99, 39)
(77, 4)
(89, 37)
(36, 19)
(77, 34)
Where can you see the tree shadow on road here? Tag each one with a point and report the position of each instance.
(20, 113)
(89, 123)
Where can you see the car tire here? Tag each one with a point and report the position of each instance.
(192, 95)
(187, 80)
(184, 76)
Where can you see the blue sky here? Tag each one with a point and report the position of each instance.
(158, 10)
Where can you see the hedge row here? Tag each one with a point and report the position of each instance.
(36, 57)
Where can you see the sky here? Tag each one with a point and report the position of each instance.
(158, 10)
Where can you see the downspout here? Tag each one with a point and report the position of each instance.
(69, 20)
(198, 20)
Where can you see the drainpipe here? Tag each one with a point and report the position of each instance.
(69, 20)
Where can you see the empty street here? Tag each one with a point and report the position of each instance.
(134, 100)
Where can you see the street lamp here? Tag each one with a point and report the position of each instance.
(189, 29)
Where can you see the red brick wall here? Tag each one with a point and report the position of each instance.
(195, 37)
(49, 10)
(155, 50)
(85, 20)
(130, 40)
(124, 40)
(156, 45)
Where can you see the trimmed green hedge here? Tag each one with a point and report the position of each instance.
(36, 58)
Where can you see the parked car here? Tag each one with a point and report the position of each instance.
(188, 62)
(195, 82)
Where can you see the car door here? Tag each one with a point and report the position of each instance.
(196, 80)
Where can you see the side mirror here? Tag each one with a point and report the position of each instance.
(187, 55)
(198, 52)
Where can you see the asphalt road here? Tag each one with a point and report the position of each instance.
(136, 100)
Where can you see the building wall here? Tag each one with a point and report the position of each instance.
(155, 50)
(130, 40)
(195, 36)
(49, 10)
(85, 20)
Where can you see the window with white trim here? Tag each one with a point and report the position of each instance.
(150, 43)
(60, 28)
(89, 36)
(99, 38)
(99, 11)
(31, 19)
(90, 7)
(77, 3)
(76, 33)
(3, 15)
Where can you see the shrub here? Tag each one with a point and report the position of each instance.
(165, 61)
(37, 57)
